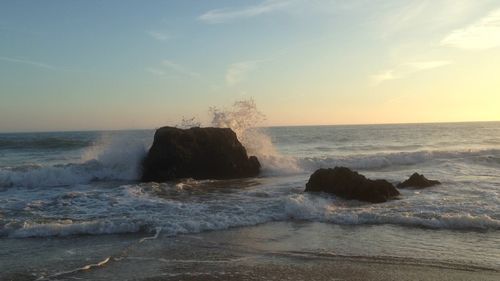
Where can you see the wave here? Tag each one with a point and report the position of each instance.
(408, 147)
(226, 221)
(44, 143)
(138, 210)
(120, 160)
(313, 208)
(68, 227)
(243, 118)
(384, 160)
(488, 160)
(115, 159)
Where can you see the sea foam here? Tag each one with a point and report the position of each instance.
(109, 159)
(146, 208)
(244, 118)
(384, 160)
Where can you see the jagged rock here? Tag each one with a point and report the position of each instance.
(348, 184)
(199, 153)
(418, 181)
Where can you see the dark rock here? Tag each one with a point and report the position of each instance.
(348, 184)
(418, 181)
(199, 153)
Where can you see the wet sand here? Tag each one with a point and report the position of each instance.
(273, 251)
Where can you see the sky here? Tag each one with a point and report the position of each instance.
(84, 65)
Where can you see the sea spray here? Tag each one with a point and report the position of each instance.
(96, 203)
(244, 119)
(113, 157)
(121, 154)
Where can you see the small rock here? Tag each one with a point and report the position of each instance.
(418, 181)
(348, 184)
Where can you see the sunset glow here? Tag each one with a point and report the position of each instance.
(71, 66)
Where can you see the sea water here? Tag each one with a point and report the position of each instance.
(63, 185)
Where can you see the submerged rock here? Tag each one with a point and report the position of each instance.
(418, 181)
(199, 153)
(348, 184)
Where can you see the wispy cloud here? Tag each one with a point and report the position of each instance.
(230, 14)
(156, 71)
(383, 76)
(424, 65)
(238, 72)
(169, 67)
(422, 16)
(29, 62)
(179, 68)
(482, 35)
(405, 70)
(158, 35)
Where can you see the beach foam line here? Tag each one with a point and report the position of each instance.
(83, 268)
(158, 230)
(73, 228)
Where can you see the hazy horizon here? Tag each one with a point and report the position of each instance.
(116, 65)
(268, 126)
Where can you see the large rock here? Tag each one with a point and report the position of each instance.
(418, 181)
(199, 153)
(348, 184)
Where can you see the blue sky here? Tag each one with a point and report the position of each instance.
(73, 65)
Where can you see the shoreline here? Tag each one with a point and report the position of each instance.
(271, 251)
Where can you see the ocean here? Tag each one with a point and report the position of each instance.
(71, 200)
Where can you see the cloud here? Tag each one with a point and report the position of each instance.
(482, 35)
(237, 72)
(179, 69)
(424, 65)
(160, 36)
(422, 17)
(29, 62)
(405, 70)
(230, 14)
(168, 67)
(156, 71)
(383, 76)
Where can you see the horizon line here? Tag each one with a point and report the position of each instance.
(270, 126)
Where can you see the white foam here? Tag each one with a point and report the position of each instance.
(138, 208)
(315, 208)
(244, 119)
(83, 268)
(68, 227)
(383, 160)
(110, 159)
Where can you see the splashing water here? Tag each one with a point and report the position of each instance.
(122, 155)
(109, 158)
(244, 118)
(187, 123)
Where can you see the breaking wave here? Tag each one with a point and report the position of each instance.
(384, 160)
(112, 159)
(313, 208)
(120, 160)
(140, 208)
(69, 207)
(244, 118)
